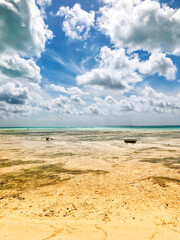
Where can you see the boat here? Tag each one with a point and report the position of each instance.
(130, 140)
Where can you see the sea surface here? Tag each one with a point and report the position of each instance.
(103, 128)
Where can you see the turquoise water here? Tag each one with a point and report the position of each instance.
(105, 128)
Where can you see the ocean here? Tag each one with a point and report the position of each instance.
(103, 128)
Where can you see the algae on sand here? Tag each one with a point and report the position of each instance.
(9, 163)
(173, 162)
(40, 176)
(162, 181)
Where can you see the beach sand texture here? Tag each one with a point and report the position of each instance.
(89, 185)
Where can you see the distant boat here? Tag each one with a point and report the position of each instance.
(130, 140)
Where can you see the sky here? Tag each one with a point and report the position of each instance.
(89, 63)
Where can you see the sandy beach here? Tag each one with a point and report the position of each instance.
(89, 185)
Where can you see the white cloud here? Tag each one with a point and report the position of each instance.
(22, 28)
(17, 67)
(23, 35)
(76, 99)
(148, 101)
(110, 100)
(75, 90)
(94, 110)
(77, 22)
(15, 111)
(116, 71)
(60, 101)
(13, 93)
(141, 25)
(71, 90)
(159, 63)
(56, 88)
(43, 3)
(63, 105)
(119, 71)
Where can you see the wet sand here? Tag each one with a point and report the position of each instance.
(89, 185)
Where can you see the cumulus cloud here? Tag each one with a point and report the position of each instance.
(44, 3)
(63, 105)
(71, 90)
(22, 28)
(23, 35)
(148, 101)
(56, 88)
(77, 22)
(75, 90)
(94, 110)
(60, 101)
(13, 93)
(76, 99)
(141, 25)
(13, 111)
(110, 100)
(159, 63)
(121, 71)
(15, 66)
(116, 70)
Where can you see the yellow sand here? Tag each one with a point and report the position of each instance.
(135, 199)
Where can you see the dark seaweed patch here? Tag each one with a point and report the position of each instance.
(162, 181)
(168, 162)
(40, 176)
(10, 163)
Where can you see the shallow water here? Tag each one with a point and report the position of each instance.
(103, 128)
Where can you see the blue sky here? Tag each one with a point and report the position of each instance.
(89, 63)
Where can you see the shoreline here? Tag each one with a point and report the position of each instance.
(102, 128)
